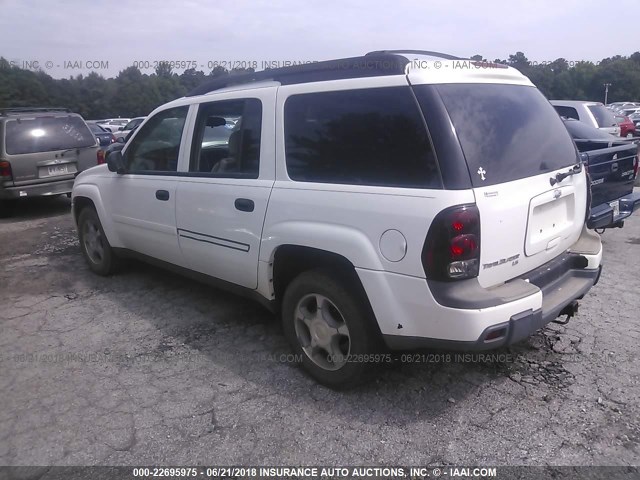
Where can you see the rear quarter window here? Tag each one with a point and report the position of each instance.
(604, 117)
(507, 132)
(371, 136)
(46, 134)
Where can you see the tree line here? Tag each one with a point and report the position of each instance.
(132, 93)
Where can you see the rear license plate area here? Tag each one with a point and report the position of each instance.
(56, 170)
(548, 223)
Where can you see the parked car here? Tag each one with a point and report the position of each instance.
(41, 151)
(591, 113)
(133, 123)
(612, 164)
(103, 136)
(618, 107)
(114, 124)
(393, 206)
(629, 111)
(627, 127)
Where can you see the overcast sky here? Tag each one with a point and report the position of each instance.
(125, 31)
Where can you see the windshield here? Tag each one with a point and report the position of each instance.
(46, 134)
(582, 131)
(604, 117)
(507, 132)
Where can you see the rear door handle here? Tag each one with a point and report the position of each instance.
(162, 195)
(244, 204)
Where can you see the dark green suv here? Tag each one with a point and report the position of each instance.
(41, 150)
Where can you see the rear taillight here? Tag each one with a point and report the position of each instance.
(5, 170)
(452, 248)
(113, 138)
(635, 165)
(101, 158)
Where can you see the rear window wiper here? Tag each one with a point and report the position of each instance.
(577, 168)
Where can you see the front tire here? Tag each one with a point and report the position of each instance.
(330, 327)
(94, 244)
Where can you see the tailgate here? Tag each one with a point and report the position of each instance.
(526, 223)
(529, 184)
(51, 166)
(612, 172)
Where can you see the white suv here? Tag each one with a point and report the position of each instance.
(383, 201)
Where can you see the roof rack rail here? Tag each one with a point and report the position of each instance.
(446, 56)
(5, 111)
(370, 65)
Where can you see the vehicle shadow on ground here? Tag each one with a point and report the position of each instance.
(36, 208)
(239, 335)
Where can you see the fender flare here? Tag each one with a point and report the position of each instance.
(92, 192)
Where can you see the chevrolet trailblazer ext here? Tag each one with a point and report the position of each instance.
(373, 202)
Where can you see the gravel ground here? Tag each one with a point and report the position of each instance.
(147, 367)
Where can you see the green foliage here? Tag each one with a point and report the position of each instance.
(130, 94)
(133, 93)
(565, 80)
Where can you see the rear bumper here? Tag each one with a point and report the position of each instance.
(557, 295)
(37, 190)
(603, 216)
(411, 313)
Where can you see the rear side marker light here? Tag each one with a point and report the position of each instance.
(496, 334)
(101, 157)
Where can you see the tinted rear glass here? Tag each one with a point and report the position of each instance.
(604, 117)
(45, 134)
(374, 136)
(582, 131)
(507, 132)
(96, 128)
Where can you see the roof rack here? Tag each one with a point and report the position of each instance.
(370, 65)
(9, 110)
(429, 53)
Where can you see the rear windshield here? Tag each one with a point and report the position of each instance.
(507, 132)
(46, 134)
(96, 128)
(604, 117)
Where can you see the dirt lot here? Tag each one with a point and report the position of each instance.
(150, 368)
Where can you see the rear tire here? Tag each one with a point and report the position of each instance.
(330, 328)
(95, 247)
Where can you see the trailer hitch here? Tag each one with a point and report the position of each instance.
(570, 311)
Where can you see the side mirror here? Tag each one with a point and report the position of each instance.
(115, 162)
(120, 140)
(120, 128)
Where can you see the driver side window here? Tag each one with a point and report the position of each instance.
(157, 145)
